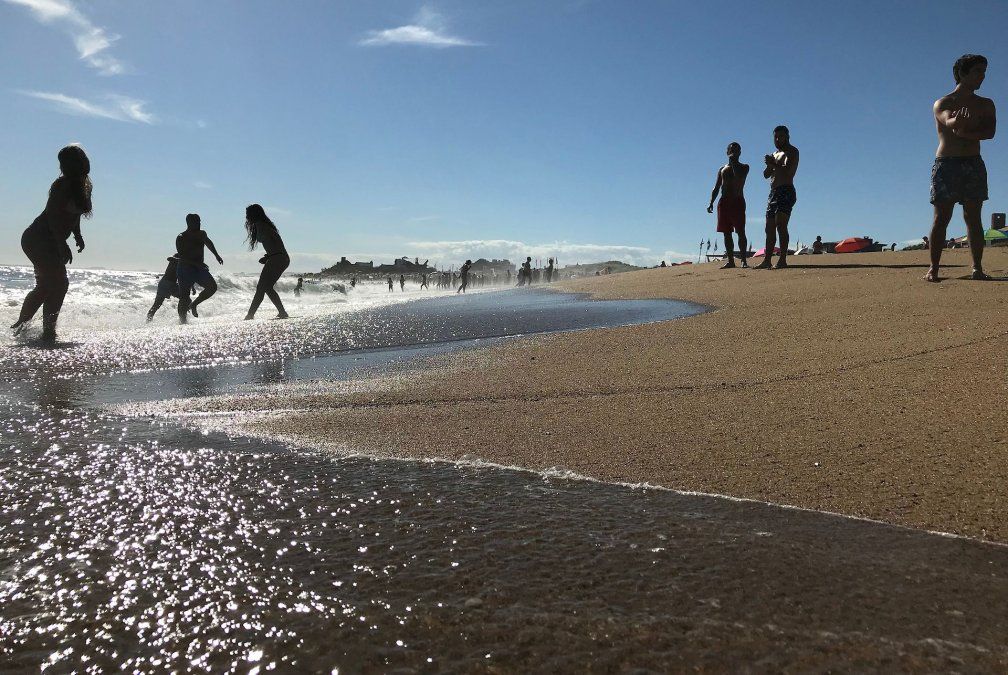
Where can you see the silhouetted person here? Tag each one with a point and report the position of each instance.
(390, 286)
(260, 229)
(299, 287)
(780, 169)
(464, 276)
(44, 241)
(525, 274)
(817, 245)
(423, 281)
(927, 244)
(959, 175)
(192, 270)
(402, 282)
(166, 288)
(353, 282)
(549, 271)
(731, 207)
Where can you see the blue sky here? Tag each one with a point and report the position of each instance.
(446, 130)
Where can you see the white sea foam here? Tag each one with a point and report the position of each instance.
(111, 300)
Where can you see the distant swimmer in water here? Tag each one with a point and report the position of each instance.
(353, 282)
(299, 287)
(731, 207)
(44, 241)
(423, 281)
(390, 286)
(780, 169)
(260, 229)
(464, 275)
(402, 282)
(959, 175)
(192, 271)
(166, 288)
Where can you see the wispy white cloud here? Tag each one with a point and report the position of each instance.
(448, 252)
(277, 211)
(113, 106)
(92, 42)
(427, 30)
(202, 185)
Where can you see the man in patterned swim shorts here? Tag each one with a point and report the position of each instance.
(959, 175)
(780, 169)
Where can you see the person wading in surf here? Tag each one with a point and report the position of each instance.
(192, 271)
(260, 229)
(44, 241)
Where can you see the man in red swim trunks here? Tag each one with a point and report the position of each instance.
(731, 207)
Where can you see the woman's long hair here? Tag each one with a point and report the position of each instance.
(255, 217)
(75, 167)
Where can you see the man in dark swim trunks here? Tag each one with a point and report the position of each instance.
(166, 288)
(192, 270)
(780, 169)
(963, 119)
(731, 207)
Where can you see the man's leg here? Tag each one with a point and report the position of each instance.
(742, 244)
(781, 221)
(975, 236)
(942, 216)
(161, 297)
(208, 290)
(771, 241)
(729, 247)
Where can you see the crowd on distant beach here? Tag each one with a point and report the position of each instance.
(962, 118)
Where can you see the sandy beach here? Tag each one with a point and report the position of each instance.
(844, 384)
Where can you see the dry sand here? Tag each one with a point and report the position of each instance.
(844, 384)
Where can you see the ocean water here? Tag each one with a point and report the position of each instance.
(143, 544)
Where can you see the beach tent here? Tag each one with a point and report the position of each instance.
(996, 235)
(762, 252)
(853, 245)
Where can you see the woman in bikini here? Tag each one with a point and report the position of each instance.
(262, 230)
(45, 240)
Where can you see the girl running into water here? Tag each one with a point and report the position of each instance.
(262, 230)
(44, 242)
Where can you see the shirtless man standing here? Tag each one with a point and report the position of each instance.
(780, 169)
(959, 175)
(731, 207)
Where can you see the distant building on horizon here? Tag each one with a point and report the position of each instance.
(401, 266)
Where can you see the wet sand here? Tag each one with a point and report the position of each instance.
(844, 384)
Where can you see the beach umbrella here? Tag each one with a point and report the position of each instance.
(853, 245)
(762, 251)
(996, 235)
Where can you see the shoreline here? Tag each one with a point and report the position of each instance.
(844, 429)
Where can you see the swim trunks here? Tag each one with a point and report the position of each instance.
(782, 199)
(731, 214)
(192, 275)
(168, 287)
(959, 179)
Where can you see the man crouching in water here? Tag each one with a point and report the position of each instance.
(191, 268)
(780, 169)
(731, 207)
(959, 175)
